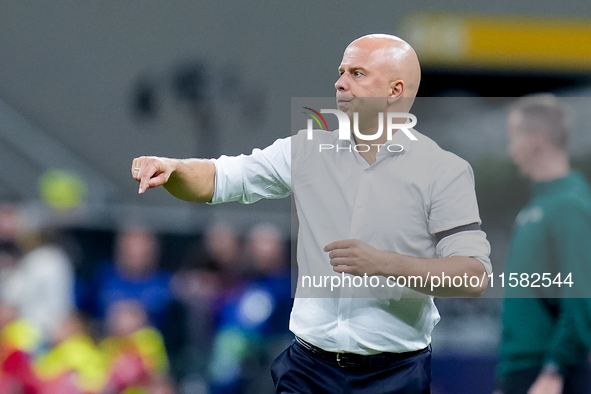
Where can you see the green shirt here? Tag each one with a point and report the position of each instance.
(552, 235)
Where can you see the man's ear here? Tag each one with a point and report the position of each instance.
(396, 90)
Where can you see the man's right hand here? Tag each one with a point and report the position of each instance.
(188, 179)
(151, 171)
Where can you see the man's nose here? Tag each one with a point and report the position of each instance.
(341, 83)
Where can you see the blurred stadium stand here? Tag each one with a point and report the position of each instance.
(28, 151)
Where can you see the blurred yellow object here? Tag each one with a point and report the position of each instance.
(62, 190)
(135, 390)
(147, 341)
(77, 353)
(20, 335)
(500, 42)
(151, 346)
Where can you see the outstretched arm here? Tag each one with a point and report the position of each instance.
(188, 179)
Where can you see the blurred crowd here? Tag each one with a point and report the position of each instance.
(213, 325)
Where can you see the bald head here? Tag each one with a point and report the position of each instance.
(380, 65)
(393, 57)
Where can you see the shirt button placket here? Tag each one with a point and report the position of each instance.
(360, 207)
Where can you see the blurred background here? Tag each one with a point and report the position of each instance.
(151, 294)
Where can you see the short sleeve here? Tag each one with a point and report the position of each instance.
(469, 244)
(453, 205)
(452, 201)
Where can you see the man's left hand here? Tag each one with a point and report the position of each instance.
(547, 384)
(355, 257)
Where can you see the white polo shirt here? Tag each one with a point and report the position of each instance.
(397, 204)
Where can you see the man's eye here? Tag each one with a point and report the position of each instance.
(357, 73)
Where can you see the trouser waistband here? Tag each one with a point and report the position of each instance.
(356, 361)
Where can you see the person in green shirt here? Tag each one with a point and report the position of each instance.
(546, 318)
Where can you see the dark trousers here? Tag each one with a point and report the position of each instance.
(576, 381)
(296, 371)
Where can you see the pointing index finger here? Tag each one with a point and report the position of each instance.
(145, 173)
(144, 179)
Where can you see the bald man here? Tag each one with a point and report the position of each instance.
(397, 208)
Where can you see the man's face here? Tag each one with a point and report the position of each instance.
(364, 73)
(522, 143)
